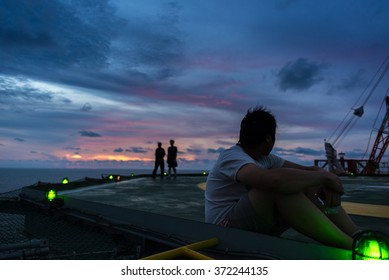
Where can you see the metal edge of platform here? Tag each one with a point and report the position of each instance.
(189, 230)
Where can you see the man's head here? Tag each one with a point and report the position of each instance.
(159, 144)
(172, 142)
(258, 127)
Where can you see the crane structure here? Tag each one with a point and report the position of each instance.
(380, 144)
(360, 166)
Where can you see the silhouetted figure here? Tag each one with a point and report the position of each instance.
(253, 189)
(172, 157)
(159, 160)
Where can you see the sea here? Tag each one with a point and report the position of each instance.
(12, 179)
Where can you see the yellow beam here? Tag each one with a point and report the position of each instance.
(372, 210)
(363, 209)
(188, 250)
(201, 186)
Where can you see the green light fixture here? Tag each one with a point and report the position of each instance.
(51, 195)
(205, 173)
(371, 245)
(110, 177)
(65, 181)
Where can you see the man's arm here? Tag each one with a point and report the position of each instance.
(291, 178)
(290, 164)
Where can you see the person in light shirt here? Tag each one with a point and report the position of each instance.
(252, 189)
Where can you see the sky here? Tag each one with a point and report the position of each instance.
(98, 83)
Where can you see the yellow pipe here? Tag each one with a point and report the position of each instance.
(188, 250)
(195, 255)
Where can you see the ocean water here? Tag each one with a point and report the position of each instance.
(16, 178)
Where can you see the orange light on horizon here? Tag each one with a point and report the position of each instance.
(75, 156)
(119, 158)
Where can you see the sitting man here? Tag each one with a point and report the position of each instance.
(251, 189)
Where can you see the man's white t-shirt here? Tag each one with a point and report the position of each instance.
(222, 189)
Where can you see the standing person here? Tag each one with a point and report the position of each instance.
(172, 157)
(159, 160)
(252, 189)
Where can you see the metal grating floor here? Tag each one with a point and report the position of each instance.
(67, 239)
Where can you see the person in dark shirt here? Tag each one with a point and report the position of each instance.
(172, 157)
(159, 160)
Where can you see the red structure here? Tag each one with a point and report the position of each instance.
(373, 165)
(380, 144)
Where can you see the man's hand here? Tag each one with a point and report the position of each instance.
(333, 183)
(331, 198)
(332, 190)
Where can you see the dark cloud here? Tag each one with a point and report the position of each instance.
(298, 151)
(19, 139)
(85, 133)
(307, 151)
(90, 46)
(194, 151)
(18, 89)
(118, 150)
(216, 151)
(87, 107)
(355, 80)
(225, 143)
(299, 75)
(72, 148)
(31, 32)
(137, 150)
(20, 94)
(156, 43)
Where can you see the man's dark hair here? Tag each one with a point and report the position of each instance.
(255, 126)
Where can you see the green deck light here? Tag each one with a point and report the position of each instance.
(371, 246)
(65, 181)
(113, 177)
(164, 173)
(51, 195)
(132, 174)
(205, 173)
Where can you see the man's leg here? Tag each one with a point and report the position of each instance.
(155, 169)
(301, 214)
(162, 164)
(341, 219)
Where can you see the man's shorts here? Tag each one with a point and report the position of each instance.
(244, 216)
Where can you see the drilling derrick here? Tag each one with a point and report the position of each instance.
(380, 144)
(372, 166)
